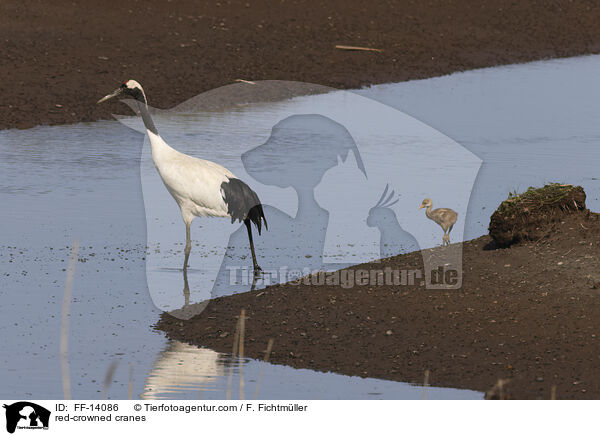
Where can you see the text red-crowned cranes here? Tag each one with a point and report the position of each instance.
(200, 187)
(446, 218)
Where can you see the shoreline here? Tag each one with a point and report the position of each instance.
(237, 96)
(59, 62)
(527, 314)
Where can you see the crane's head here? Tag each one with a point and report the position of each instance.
(426, 203)
(131, 88)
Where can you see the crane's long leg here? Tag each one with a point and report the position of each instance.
(257, 269)
(448, 234)
(188, 245)
(186, 288)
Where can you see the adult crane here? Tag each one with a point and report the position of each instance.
(200, 187)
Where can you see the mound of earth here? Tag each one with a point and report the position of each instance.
(527, 216)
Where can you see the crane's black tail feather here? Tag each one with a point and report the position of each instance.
(257, 216)
(242, 203)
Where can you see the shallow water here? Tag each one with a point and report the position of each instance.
(93, 182)
(530, 124)
(186, 372)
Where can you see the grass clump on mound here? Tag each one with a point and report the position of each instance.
(525, 216)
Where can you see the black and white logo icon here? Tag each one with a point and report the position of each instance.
(26, 415)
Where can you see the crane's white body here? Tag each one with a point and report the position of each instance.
(194, 183)
(200, 187)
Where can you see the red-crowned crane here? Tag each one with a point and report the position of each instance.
(446, 218)
(200, 187)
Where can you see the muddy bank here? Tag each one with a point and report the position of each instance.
(60, 57)
(528, 313)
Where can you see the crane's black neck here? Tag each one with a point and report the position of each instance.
(146, 117)
(139, 95)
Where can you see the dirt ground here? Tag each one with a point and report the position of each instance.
(528, 313)
(59, 57)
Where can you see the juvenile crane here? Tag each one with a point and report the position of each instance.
(446, 218)
(200, 187)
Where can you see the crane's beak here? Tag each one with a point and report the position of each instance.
(421, 206)
(115, 93)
